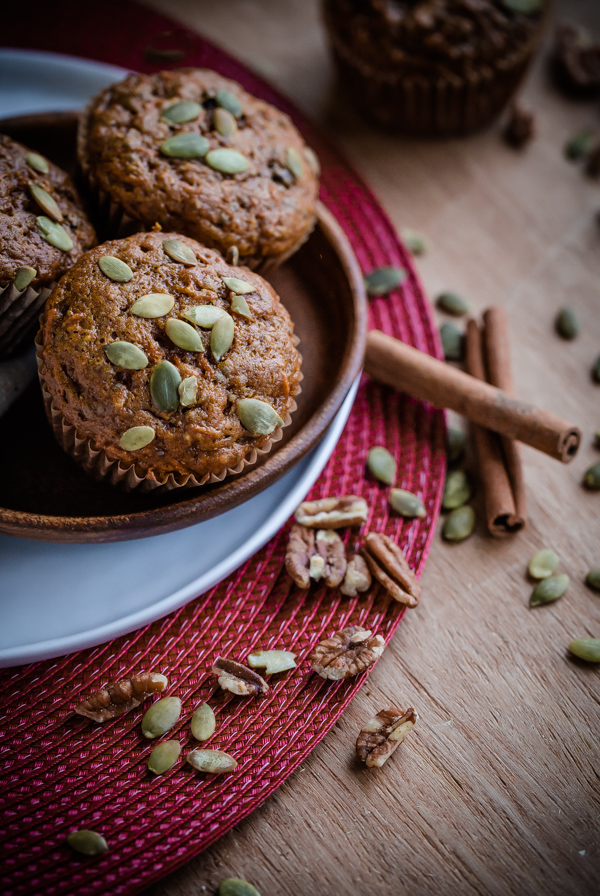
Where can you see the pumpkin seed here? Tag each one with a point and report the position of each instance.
(229, 101)
(180, 113)
(381, 464)
(188, 389)
(527, 7)
(459, 524)
(164, 383)
(453, 342)
(453, 303)
(457, 490)
(46, 202)
(257, 416)
(312, 160)
(592, 580)
(597, 439)
(154, 304)
(215, 762)
(221, 336)
(237, 286)
(543, 564)
(54, 233)
(137, 437)
(37, 162)
(234, 256)
(179, 251)
(185, 146)
(294, 162)
(203, 722)
(549, 590)
(164, 756)
(115, 269)
(592, 477)
(234, 886)
(382, 281)
(23, 278)
(224, 122)
(240, 306)
(184, 335)
(161, 717)
(567, 323)
(580, 144)
(414, 241)
(456, 443)
(272, 661)
(227, 161)
(88, 843)
(587, 649)
(406, 504)
(596, 370)
(127, 355)
(204, 315)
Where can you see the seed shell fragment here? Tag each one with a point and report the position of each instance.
(213, 762)
(188, 391)
(272, 661)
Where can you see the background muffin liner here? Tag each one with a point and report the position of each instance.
(98, 463)
(19, 313)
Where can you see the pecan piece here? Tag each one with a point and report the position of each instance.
(116, 699)
(300, 549)
(332, 513)
(238, 679)
(383, 734)
(331, 548)
(347, 653)
(357, 578)
(520, 127)
(388, 564)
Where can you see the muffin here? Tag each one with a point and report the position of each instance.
(43, 231)
(163, 366)
(194, 152)
(433, 67)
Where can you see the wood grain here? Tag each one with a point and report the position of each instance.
(496, 791)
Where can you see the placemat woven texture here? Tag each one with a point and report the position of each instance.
(61, 772)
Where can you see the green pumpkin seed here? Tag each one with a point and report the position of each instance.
(215, 762)
(221, 336)
(228, 101)
(164, 756)
(453, 342)
(459, 524)
(580, 144)
(382, 281)
(272, 661)
(381, 464)
(237, 286)
(591, 479)
(527, 7)
(183, 335)
(258, 417)
(457, 490)
(164, 383)
(414, 241)
(188, 389)
(115, 269)
(161, 717)
(227, 161)
(37, 162)
(543, 564)
(453, 303)
(154, 304)
(46, 202)
(294, 162)
(240, 306)
(54, 233)
(549, 590)
(180, 113)
(179, 251)
(234, 886)
(203, 722)
(312, 160)
(587, 649)
(23, 278)
(406, 504)
(567, 323)
(224, 122)
(596, 370)
(204, 315)
(137, 437)
(592, 580)
(185, 146)
(456, 443)
(88, 843)
(127, 355)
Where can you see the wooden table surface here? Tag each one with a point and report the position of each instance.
(496, 791)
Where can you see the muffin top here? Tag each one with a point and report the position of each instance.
(42, 223)
(158, 332)
(196, 153)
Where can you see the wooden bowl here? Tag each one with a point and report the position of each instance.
(44, 495)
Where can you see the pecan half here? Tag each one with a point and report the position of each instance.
(383, 734)
(300, 549)
(332, 513)
(238, 679)
(331, 548)
(347, 653)
(116, 699)
(388, 564)
(357, 578)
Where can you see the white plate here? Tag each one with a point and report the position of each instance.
(57, 598)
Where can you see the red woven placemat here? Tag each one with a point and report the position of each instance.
(60, 772)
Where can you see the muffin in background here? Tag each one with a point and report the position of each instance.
(43, 231)
(433, 67)
(196, 153)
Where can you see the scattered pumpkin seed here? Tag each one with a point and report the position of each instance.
(567, 323)
(184, 335)
(235, 886)
(257, 416)
(188, 390)
(459, 524)
(240, 306)
(136, 437)
(23, 278)
(37, 162)
(580, 144)
(224, 122)
(180, 113)
(382, 281)
(294, 162)
(596, 370)
(597, 439)
(164, 756)
(185, 146)
(221, 336)
(381, 464)
(178, 251)
(164, 386)
(406, 504)
(453, 342)
(414, 241)
(312, 160)
(227, 100)
(457, 490)
(527, 7)
(127, 355)
(154, 304)
(592, 580)
(237, 286)
(587, 649)
(54, 233)
(272, 661)
(234, 256)
(227, 161)
(215, 762)
(203, 722)
(543, 564)
(453, 303)
(88, 843)
(456, 443)
(115, 269)
(549, 590)
(46, 202)
(591, 479)
(161, 717)
(204, 315)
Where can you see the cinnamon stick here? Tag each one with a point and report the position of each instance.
(407, 369)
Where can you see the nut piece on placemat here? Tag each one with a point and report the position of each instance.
(349, 652)
(300, 549)
(116, 699)
(388, 564)
(331, 548)
(215, 762)
(383, 734)
(315, 556)
(238, 679)
(357, 578)
(332, 513)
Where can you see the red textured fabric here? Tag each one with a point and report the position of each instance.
(61, 772)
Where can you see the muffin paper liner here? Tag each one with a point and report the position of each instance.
(19, 311)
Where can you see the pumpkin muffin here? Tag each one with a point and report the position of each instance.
(43, 231)
(162, 365)
(197, 154)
